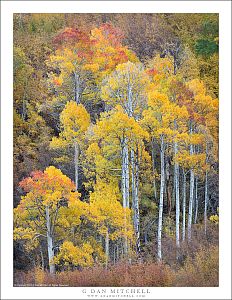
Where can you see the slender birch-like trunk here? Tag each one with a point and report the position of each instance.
(76, 164)
(133, 187)
(196, 200)
(191, 194)
(168, 186)
(125, 184)
(135, 196)
(137, 219)
(107, 247)
(130, 101)
(125, 173)
(184, 205)
(177, 196)
(190, 213)
(50, 242)
(133, 179)
(134, 176)
(206, 193)
(162, 180)
(153, 167)
(77, 88)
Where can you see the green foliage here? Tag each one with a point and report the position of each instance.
(206, 48)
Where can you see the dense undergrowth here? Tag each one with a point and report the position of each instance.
(199, 270)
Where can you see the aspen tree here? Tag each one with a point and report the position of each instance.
(39, 209)
(117, 126)
(84, 59)
(157, 118)
(75, 121)
(205, 111)
(163, 79)
(107, 214)
(126, 87)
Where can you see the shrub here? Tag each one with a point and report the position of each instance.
(201, 270)
(198, 266)
(154, 274)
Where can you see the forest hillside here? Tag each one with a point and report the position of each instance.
(116, 149)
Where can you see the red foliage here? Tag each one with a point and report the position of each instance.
(115, 35)
(152, 72)
(34, 182)
(70, 36)
(190, 109)
(181, 91)
(40, 181)
(122, 56)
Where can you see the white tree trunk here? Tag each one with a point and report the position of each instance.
(191, 194)
(76, 164)
(153, 167)
(130, 110)
(77, 88)
(133, 179)
(184, 205)
(135, 196)
(137, 219)
(206, 192)
(133, 175)
(176, 181)
(107, 247)
(196, 200)
(162, 180)
(190, 213)
(125, 173)
(50, 242)
(168, 185)
(125, 184)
